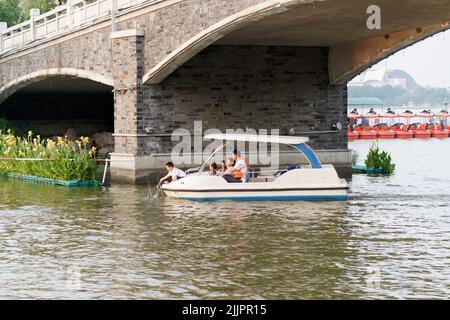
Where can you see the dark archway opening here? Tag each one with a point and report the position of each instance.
(51, 106)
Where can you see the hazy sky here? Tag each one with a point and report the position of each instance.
(427, 61)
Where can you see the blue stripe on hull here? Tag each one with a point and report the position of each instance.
(274, 198)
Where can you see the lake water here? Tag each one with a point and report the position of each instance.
(390, 240)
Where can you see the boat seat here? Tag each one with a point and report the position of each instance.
(262, 179)
(281, 172)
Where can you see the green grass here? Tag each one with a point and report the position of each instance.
(69, 160)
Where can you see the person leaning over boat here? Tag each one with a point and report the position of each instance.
(172, 173)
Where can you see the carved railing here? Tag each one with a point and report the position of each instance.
(73, 14)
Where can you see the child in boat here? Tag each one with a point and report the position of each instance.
(173, 173)
(213, 169)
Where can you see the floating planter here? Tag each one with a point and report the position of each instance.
(61, 162)
(377, 161)
(70, 183)
(364, 169)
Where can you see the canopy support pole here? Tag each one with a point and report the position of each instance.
(309, 154)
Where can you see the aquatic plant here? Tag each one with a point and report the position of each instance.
(379, 159)
(62, 160)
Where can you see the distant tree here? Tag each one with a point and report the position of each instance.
(397, 96)
(43, 5)
(10, 12)
(16, 11)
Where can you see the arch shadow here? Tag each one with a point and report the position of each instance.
(13, 86)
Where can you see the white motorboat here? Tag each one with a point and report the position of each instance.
(313, 182)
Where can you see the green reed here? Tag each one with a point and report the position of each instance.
(67, 160)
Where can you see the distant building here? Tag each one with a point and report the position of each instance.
(378, 76)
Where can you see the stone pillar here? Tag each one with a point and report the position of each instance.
(33, 14)
(128, 61)
(3, 26)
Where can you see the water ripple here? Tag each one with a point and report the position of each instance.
(390, 240)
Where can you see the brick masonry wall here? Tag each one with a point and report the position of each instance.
(90, 52)
(246, 86)
(168, 28)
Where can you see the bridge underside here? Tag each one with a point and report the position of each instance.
(50, 107)
(341, 26)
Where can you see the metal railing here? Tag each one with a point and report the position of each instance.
(73, 14)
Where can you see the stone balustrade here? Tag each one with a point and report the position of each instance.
(73, 14)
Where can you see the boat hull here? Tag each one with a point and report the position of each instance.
(367, 135)
(273, 195)
(353, 135)
(304, 184)
(440, 134)
(386, 134)
(404, 135)
(422, 134)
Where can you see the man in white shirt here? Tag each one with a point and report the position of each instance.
(172, 173)
(240, 165)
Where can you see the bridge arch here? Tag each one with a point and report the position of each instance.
(350, 59)
(213, 33)
(347, 57)
(15, 85)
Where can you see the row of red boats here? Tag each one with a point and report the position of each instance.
(376, 126)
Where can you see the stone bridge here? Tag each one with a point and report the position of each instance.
(262, 64)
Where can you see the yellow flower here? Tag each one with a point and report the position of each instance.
(84, 140)
(10, 140)
(50, 144)
(93, 151)
(61, 142)
(30, 134)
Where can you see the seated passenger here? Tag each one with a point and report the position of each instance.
(240, 165)
(173, 173)
(231, 174)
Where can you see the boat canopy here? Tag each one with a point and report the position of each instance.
(257, 138)
(298, 143)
